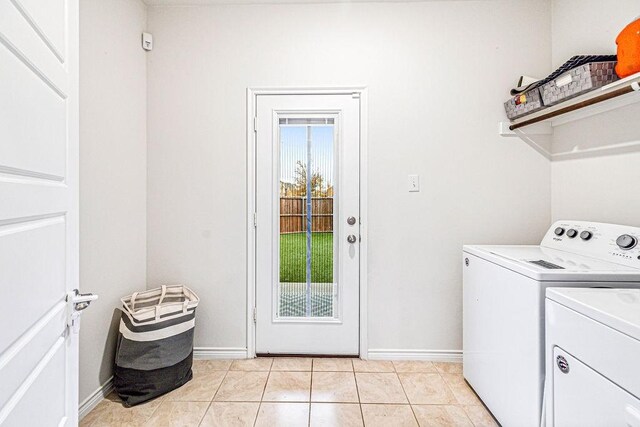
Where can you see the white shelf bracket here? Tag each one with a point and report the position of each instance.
(542, 128)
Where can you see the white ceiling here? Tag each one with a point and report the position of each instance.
(210, 2)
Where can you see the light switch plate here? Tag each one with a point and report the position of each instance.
(414, 183)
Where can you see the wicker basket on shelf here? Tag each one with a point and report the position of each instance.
(578, 81)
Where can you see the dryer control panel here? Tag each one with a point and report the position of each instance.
(608, 242)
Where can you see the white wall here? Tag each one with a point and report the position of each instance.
(586, 27)
(438, 73)
(597, 188)
(112, 173)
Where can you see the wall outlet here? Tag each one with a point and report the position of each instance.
(414, 183)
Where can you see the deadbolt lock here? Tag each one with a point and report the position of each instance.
(563, 365)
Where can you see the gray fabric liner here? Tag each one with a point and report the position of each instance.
(155, 301)
(153, 319)
(159, 325)
(147, 295)
(149, 355)
(135, 386)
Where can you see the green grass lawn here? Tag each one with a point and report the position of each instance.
(293, 249)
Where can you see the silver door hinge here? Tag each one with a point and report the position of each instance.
(255, 124)
(255, 219)
(255, 315)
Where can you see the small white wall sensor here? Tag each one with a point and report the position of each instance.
(147, 41)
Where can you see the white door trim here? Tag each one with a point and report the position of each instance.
(252, 94)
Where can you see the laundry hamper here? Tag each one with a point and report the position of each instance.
(155, 344)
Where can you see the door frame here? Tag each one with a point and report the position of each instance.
(252, 98)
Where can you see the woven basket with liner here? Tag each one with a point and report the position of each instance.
(155, 343)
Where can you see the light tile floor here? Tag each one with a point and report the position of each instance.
(307, 392)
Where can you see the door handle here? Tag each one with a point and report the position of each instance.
(76, 302)
(351, 238)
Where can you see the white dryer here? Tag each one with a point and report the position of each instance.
(503, 307)
(593, 354)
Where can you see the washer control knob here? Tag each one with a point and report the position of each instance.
(559, 231)
(571, 233)
(586, 235)
(626, 241)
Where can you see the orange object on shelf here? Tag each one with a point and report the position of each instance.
(629, 50)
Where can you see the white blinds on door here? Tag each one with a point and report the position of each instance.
(307, 189)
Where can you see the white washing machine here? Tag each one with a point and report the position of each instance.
(503, 307)
(593, 354)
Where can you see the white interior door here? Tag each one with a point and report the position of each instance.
(307, 235)
(38, 211)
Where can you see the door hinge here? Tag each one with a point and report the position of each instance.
(255, 219)
(255, 315)
(255, 124)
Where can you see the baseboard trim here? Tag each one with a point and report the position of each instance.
(96, 397)
(430, 355)
(219, 353)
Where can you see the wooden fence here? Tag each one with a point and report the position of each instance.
(293, 214)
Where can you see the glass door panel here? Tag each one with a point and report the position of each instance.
(307, 285)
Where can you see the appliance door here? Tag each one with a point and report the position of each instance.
(583, 398)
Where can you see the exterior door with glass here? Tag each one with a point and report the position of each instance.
(307, 224)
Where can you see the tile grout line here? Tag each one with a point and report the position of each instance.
(262, 395)
(458, 403)
(464, 407)
(310, 392)
(214, 395)
(313, 361)
(355, 378)
(220, 385)
(164, 399)
(446, 383)
(415, 418)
